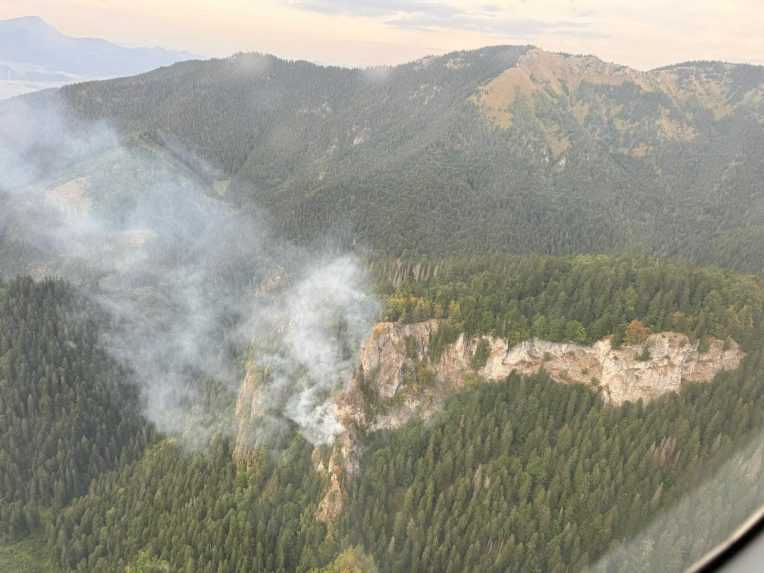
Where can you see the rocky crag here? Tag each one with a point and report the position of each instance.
(399, 378)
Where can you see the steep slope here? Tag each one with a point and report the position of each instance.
(407, 381)
(398, 380)
(530, 475)
(504, 148)
(505, 471)
(69, 411)
(575, 322)
(399, 474)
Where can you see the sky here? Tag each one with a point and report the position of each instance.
(640, 33)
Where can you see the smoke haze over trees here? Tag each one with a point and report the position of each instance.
(164, 237)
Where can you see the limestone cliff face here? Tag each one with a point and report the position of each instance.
(393, 352)
(398, 379)
(246, 412)
(342, 463)
(384, 358)
(620, 373)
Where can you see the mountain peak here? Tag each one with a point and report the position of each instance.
(31, 41)
(28, 22)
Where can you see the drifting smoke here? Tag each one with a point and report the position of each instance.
(177, 269)
(307, 341)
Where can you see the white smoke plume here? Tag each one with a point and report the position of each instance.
(307, 339)
(176, 267)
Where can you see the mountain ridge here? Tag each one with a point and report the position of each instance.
(421, 159)
(381, 444)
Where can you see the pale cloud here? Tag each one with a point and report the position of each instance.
(642, 34)
(429, 14)
(375, 8)
(426, 15)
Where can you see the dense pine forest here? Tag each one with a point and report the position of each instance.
(521, 475)
(69, 411)
(194, 266)
(577, 299)
(530, 475)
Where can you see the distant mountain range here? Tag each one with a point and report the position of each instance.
(34, 55)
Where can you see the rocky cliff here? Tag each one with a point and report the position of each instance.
(400, 378)
(247, 410)
(397, 370)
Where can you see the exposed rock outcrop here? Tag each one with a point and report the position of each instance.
(399, 379)
(624, 374)
(246, 412)
(341, 465)
(642, 371)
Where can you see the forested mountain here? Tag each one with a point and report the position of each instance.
(526, 475)
(69, 411)
(504, 148)
(534, 476)
(522, 475)
(494, 200)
